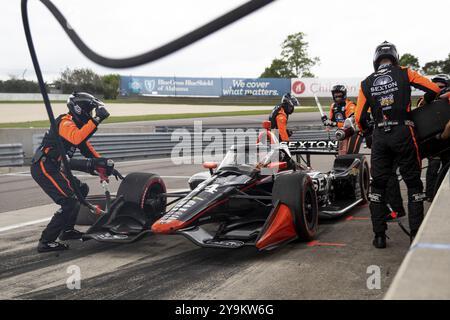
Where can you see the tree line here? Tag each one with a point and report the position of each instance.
(295, 62)
(69, 80)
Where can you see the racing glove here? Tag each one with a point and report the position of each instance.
(329, 123)
(100, 114)
(324, 118)
(289, 132)
(101, 166)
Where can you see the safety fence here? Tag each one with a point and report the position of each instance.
(125, 146)
(424, 273)
(11, 155)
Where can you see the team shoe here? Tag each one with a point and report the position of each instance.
(379, 241)
(71, 234)
(49, 246)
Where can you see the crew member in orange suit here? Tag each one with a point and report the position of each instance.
(387, 93)
(341, 109)
(280, 115)
(75, 128)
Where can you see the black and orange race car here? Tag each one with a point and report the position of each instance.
(259, 195)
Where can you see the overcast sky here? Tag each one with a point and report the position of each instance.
(342, 33)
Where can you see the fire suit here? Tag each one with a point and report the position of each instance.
(387, 92)
(47, 172)
(279, 119)
(338, 115)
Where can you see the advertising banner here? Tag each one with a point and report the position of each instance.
(255, 87)
(170, 86)
(308, 87)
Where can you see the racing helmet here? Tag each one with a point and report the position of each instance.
(289, 102)
(442, 78)
(339, 88)
(81, 105)
(385, 50)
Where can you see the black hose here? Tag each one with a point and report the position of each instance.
(147, 57)
(37, 68)
(163, 50)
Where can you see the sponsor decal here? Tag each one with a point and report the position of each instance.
(317, 144)
(387, 100)
(298, 87)
(109, 236)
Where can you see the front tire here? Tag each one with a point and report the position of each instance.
(296, 190)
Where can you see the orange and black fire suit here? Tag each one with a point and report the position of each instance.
(279, 119)
(338, 115)
(387, 93)
(46, 170)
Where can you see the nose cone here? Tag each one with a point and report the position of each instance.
(164, 226)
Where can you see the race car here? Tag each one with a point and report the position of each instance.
(260, 195)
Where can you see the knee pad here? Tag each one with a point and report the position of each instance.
(84, 189)
(417, 197)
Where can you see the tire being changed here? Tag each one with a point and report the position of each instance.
(138, 187)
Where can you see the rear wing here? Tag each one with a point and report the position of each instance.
(313, 147)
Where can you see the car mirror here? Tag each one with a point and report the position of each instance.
(266, 125)
(210, 165)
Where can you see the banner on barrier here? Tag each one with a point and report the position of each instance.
(238, 87)
(308, 87)
(170, 86)
(255, 87)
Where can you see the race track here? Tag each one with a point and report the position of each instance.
(171, 267)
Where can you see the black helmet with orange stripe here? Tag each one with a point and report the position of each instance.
(81, 105)
(386, 50)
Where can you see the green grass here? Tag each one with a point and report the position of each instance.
(121, 119)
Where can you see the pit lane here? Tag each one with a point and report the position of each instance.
(171, 267)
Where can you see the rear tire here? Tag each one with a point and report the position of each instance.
(364, 179)
(343, 162)
(296, 190)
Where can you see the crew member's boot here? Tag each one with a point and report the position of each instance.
(379, 241)
(71, 234)
(49, 246)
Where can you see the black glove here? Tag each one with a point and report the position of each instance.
(101, 165)
(289, 132)
(329, 123)
(324, 118)
(100, 114)
(117, 175)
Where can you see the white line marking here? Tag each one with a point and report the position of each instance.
(24, 224)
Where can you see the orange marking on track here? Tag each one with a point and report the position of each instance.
(317, 243)
(350, 218)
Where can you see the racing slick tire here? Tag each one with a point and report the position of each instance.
(85, 216)
(364, 179)
(343, 162)
(139, 187)
(297, 191)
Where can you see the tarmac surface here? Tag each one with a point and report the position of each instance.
(338, 266)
